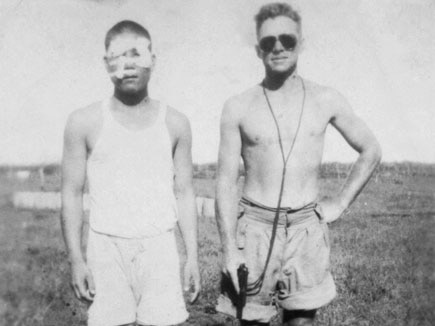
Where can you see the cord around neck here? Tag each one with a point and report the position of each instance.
(256, 286)
(286, 157)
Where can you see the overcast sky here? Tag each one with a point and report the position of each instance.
(379, 54)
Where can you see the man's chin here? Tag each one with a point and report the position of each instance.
(129, 89)
(280, 73)
(281, 70)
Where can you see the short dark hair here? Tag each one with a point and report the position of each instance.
(276, 9)
(125, 26)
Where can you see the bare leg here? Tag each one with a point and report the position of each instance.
(298, 317)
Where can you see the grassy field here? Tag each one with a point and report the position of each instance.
(383, 255)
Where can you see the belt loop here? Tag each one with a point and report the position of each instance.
(286, 224)
(319, 212)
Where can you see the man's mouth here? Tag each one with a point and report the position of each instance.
(129, 77)
(279, 59)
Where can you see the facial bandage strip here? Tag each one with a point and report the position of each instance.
(117, 54)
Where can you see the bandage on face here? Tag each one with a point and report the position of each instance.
(125, 51)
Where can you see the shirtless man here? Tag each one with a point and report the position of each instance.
(278, 128)
(134, 152)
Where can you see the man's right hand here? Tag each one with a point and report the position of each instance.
(82, 281)
(232, 260)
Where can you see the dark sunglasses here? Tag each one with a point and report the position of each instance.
(288, 42)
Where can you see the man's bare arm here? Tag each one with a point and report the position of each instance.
(73, 181)
(361, 139)
(186, 200)
(226, 188)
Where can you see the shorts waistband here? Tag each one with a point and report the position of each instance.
(287, 216)
(250, 202)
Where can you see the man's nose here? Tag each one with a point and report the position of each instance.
(129, 63)
(278, 47)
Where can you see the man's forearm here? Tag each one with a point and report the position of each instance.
(72, 222)
(226, 214)
(188, 222)
(360, 174)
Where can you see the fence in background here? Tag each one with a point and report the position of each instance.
(51, 201)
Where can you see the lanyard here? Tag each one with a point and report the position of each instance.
(255, 287)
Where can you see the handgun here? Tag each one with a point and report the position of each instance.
(242, 275)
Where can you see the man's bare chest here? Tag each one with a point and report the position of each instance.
(259, 127)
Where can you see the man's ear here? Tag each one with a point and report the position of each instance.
(106, 65)
(153, 61)
(301, 46)
(258, 51)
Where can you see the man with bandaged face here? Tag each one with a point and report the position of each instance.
(136, 155)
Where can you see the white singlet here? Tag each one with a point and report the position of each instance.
(131, 176)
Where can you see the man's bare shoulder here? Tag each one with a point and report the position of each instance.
(85, 119)
(238, 105)
(177, 121)
(322, 93)
(327, 98)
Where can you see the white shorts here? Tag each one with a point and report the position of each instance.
(136, 280)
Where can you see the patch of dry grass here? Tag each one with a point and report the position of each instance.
(383, 262)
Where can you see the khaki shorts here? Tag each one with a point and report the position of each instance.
(136, 280)
(298, 276)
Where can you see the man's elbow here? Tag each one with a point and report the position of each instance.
(377, 152)
(374, 153)
(225, 187)
(71, 192)
(184, 191)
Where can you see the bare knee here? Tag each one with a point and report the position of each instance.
(299, 317)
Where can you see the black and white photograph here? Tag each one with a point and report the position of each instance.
(217, 162)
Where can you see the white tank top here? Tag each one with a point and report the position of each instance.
(131, 175)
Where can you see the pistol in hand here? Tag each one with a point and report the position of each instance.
(242, 275)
